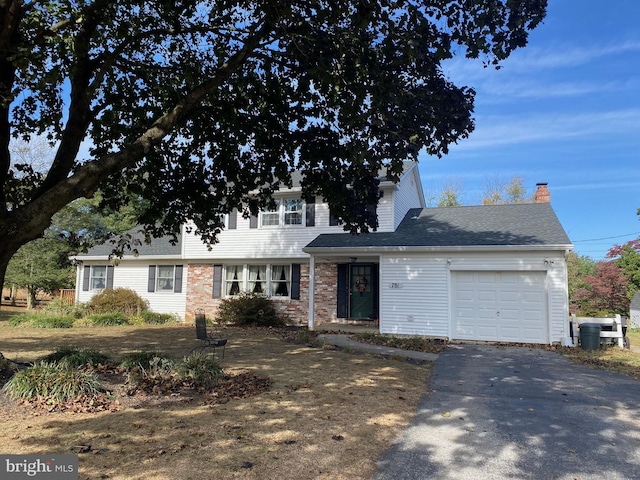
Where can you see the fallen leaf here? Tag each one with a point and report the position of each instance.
(446, 414)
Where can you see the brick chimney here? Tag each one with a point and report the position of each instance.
(542, 194)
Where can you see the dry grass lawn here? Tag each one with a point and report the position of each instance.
(328, 415)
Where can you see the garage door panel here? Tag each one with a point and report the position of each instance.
(499, 306)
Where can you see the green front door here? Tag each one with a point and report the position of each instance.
(361, 303)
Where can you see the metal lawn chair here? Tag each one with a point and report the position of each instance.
(208, 340)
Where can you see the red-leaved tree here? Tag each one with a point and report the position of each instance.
(605, 293)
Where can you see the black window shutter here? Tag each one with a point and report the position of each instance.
(233, 219)
(311, 212)
(253, 221)
(217, 281)
(152, 279)
(177, 280)
(86, 278)
(110, 277)
(295, 281)
(343, 290)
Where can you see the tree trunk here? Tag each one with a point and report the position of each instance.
(7, 250)
(31, 298)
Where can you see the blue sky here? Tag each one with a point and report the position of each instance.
(564, 110)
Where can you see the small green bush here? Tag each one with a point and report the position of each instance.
(200, 371)
(249, 309)
(41, 320)
(154, 318)
(74, 357)
(21, 319)
(122, 300)
(138, 360)
(109, 319)
(52, 382)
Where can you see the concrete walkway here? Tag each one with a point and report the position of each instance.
(344, 341)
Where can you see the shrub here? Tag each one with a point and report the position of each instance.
(41, 320)
(160, 377)
(249, 309)
(200, 371)
(52, 382)
(154, 318)
(108, 319)
(61, 307)
(74, 357)
(138, 360)
(122, 300)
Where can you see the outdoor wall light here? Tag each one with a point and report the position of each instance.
(353, 259)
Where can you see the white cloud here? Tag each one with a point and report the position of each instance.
(535, 60)
(518, 129)
(495, 91)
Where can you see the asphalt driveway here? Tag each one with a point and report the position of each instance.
(519, 413)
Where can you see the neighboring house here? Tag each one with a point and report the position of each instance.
(493, 273)
(634, 311)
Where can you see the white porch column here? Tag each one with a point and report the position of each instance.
(312, 290)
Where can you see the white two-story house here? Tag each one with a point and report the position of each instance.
(492, 273)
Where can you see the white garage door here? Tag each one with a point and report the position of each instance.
(499, 306)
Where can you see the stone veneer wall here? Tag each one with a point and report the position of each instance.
(200, 288)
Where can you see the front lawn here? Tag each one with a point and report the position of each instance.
(328, 414)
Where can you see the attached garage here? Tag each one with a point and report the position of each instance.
(499, 306)
(493, 273)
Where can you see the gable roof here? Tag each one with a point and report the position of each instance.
(529, 225)
(159, 247)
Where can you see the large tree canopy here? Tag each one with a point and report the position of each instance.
(199, 106)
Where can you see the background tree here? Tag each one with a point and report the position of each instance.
(199, 107)
(501, 191)
(605, 292)
(627, 257)
(578, 267)
(40, 266)
(448, 194)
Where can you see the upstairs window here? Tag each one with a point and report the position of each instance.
(271, 218)
(293, 211)
(288, 211)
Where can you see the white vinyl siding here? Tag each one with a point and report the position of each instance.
(417, 294)
(134, 274)
(405, 198)
(277, 240)
(413, 295)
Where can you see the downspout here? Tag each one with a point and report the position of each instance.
(312, 289)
